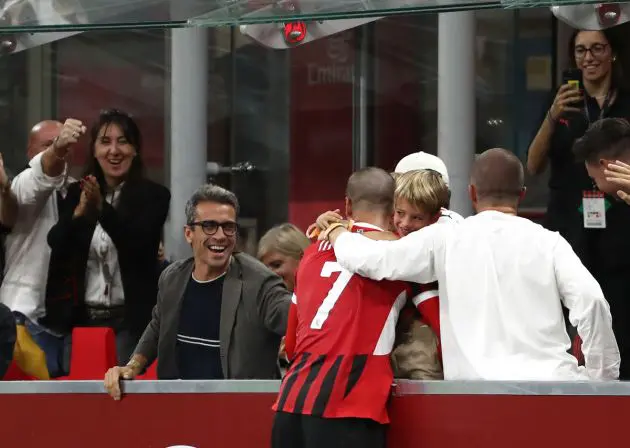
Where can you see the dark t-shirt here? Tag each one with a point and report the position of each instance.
(568, 178)
(198, 342)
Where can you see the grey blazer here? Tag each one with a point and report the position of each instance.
(254, 314)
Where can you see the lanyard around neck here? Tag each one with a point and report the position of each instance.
(603, 111)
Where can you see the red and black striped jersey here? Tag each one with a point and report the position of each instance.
(344, 335)
(424, 299)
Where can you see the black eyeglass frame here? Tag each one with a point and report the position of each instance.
(210, 227)
(596, 50)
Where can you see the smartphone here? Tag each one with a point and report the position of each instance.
(573, 77)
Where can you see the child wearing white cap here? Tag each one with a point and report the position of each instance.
(425, 161)
(422, 161)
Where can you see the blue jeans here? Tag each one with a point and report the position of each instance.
(57, 348)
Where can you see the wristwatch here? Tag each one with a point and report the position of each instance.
(135, 365)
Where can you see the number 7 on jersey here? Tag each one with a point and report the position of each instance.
(329, 268)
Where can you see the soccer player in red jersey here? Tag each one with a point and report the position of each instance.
(419, 200)
(337, 387)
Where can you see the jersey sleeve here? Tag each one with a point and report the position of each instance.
(588, 311)
(426, 300)
(291, 336)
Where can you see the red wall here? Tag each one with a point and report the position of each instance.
(91, 78)
(397, 101)
(321, 127)
(321, 115)
(244, 420)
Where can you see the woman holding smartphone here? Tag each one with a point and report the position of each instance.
(595, 55)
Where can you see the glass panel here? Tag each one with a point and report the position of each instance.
(15, 80)
(321, 122)
(260, 138)
(77, 15)
(288, 113)
(405, 112)
(514, 83)
(102, 70)
(263, 11)
(514, 80)
(243, 12)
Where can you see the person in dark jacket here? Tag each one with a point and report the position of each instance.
(105, 244)
(7, 338)
(607, 141)
(220, 314)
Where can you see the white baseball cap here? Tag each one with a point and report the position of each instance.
(422, 161)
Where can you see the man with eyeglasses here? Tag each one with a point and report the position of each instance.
(220, 314)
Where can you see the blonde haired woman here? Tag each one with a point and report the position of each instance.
(281, 250)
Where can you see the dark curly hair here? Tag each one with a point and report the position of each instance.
(608, 138)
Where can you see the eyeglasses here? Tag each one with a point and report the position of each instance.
(210, 227)
(597, 50)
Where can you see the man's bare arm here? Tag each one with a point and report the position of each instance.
(54, 158)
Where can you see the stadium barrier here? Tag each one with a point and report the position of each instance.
(236, 414)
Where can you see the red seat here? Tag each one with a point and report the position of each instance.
(93, 353)
(14, 373)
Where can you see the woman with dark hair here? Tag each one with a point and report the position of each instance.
(596, 55)
(109, 230)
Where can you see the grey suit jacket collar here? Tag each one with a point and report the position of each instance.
(231, 298)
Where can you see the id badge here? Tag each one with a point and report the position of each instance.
(594, 210)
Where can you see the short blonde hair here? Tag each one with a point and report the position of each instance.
(286, 239)
(424, 189)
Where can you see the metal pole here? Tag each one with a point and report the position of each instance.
(456, 102)
(363, 70)
(188, 128)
